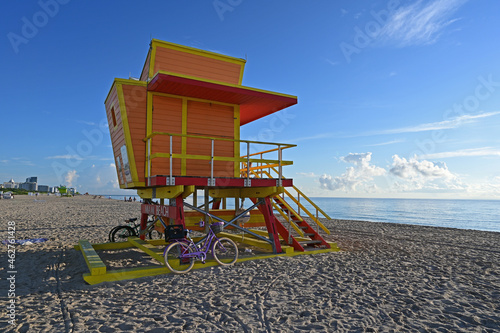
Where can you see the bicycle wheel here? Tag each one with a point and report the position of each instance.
(173, 258)
(120, 234)
(111, 231)
(225, 251)
(155, 234)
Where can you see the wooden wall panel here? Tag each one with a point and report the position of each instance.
(136, 105)
(116, 132)
(214, 120)
(167, 117)
(196, 65)
(210, 119)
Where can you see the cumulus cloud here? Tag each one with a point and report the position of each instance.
(421, 22)
(96, 179)
(70, 177)
(413, 168)
(488, 189)
(355, 176)
(414, 174)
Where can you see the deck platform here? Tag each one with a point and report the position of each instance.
(99, 273)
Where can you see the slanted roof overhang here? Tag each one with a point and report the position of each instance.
(254, 103)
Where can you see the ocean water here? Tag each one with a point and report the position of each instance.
(461, 214)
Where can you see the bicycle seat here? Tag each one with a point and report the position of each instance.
(131, 220)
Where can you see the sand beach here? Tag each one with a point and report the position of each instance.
(388, 278)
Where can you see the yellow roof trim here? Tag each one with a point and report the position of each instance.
(125, 81)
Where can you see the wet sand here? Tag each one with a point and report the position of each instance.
(388, 278)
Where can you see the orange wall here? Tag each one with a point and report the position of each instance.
(167, 117)
(214, 120)
(135, 98)
(116, 132)
(195, 65)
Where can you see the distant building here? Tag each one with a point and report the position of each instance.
(43, 188)
(28, 186)
(11, 184)
(32, 180)
(53, 189)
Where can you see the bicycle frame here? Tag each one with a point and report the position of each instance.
(199, 253)
(150, 225)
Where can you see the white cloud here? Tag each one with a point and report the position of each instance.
(63, 157)
(440, 125)
(359, 175)
(307, 174)
(386, 143)
(96, 179)
(314, 137)
(421, 22)
(473, 152)
(413, 168)
(415, 175)
(407, 176)
(70, 177)
(90, 123)
(331, 62)
(488, 189)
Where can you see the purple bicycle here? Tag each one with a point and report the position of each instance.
(182, 253)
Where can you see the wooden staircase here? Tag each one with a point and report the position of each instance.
(304, 237)
(305, 230)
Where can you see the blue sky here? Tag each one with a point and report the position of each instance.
(396, 98)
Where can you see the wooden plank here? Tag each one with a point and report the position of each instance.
(94, 262)
(148, 248)
(196, 65)
(247, 239)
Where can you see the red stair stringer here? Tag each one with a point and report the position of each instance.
(313, 234)
(284, 234)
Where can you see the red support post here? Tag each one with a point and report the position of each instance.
(267, 211)
(144, 224)
(216, 203)
(179, 203)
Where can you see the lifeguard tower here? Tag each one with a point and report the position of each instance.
(175, 132)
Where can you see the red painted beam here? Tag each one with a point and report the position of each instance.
(159, 210)
(219, 182)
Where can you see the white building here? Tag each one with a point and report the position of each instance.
(11, 184)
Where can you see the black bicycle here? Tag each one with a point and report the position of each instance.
(120, 233)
